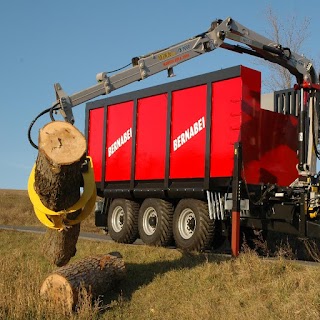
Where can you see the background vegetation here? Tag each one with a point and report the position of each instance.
(16, 210)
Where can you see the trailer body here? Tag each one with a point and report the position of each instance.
(177, 140)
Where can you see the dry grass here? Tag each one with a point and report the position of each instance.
(160, 284)
(164, 284)
(16, 210)
(22, 271)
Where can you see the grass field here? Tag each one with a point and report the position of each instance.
(16, 209)
(160, 284)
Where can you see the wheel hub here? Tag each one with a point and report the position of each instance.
(118, 219)
(150, 221)
(153, 221)
(187, 223)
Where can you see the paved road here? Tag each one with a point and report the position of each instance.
(83, 235)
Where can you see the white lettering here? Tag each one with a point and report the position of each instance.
(123, 139)
(195, 126)
(189, 133)
(183, 141)
(200, 124)
(118, 143)
(179, 141)
(175, 145)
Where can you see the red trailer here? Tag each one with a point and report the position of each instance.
(169, 150)
(189, 160)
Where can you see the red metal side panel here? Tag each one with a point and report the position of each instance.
(225, 128)
(151, 137)
(95, 137)
(278, 150)
(251, 124)
(187, 150)
(119, 141)
(269, 139)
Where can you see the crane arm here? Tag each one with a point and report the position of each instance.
(262, 47)
(165, 59)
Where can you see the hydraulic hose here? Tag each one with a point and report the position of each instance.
(51, 109)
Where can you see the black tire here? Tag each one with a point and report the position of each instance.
(155, 222)
(123, 221)
(193, 230)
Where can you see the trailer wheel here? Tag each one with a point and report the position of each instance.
(123, 220)
(155, 222)
(192, 227)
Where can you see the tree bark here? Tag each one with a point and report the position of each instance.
(61, 151)
(96, 274)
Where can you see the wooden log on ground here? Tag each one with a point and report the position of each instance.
(58, 179)
(96, 274)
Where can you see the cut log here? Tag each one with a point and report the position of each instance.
(58, 179)
(96, 274)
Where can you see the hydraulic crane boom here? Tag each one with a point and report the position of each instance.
(166, 59)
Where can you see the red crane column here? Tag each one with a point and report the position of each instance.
(236, 195)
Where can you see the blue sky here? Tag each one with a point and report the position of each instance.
(44, 42)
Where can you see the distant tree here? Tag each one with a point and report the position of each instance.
(290, 32)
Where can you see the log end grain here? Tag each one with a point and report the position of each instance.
(62, 143)
(57, 291)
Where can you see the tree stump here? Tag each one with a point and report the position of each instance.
(58, 179)
(96, 274)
